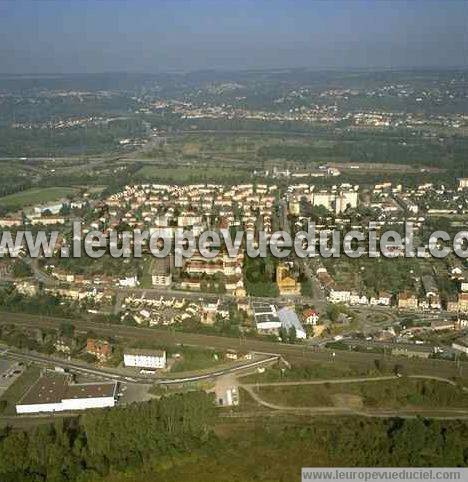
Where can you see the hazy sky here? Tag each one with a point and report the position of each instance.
(152, 36)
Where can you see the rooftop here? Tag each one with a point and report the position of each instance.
(55, 387)
(145, 352)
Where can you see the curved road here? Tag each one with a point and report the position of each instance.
(354, 380)
(134, 378)
(445, 413)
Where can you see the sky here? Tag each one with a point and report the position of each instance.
(88, 36)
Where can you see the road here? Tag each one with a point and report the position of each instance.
(134, 378)
(318, 296)
(340, 381)
(298, 353)
(443, 414)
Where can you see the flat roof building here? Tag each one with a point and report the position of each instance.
(289, 320)
(266, 317)
(54, 392)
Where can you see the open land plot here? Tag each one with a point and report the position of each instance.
(185, 174)
(35, 195)
(387, 394)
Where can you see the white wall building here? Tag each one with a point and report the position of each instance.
(54, 392)
(141, 358)
(290, 320)
(339, 296)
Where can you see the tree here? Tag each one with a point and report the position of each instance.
(292, 335)
(67, 329)
(21, 270)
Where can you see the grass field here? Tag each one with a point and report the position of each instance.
(34, 196)
(191, 174)
(382, 394)
(306, 371)
(194, 359)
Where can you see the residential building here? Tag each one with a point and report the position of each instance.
(101, 349)
(161, 272)
(310, 317)
(339, 295)
(141, 358)
(463, 302)
(407, 301)
(287, 285)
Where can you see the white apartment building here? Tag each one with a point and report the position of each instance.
(141, 358)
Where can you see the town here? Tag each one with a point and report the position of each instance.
(233, 241)
(418, 307)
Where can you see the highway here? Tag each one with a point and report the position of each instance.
(298, 353)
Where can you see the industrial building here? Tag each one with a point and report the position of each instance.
(266, 317)
(289, 320)
(55, 392)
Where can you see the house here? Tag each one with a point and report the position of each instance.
(101, 349)
(10, 222)
(287, 285)
(310, 317)
(358, 299)
(161, 272)
(231, 355)
(416, 351)
(452, 305)
(28, 288)
(441, 325)
(64, 344)
(339, 295)
(142, 358)
(384, 298)
(129, 282)
(463, 302)
(407, 301)
(461, 323)
(324, 278)
(49, 221)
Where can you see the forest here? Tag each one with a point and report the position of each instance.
(181, 437)
(99, 441)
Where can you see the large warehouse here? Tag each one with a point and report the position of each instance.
(54, 392)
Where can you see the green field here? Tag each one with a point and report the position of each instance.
(382, 394)
(194, 359)
(191, 174)
(36, 195)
